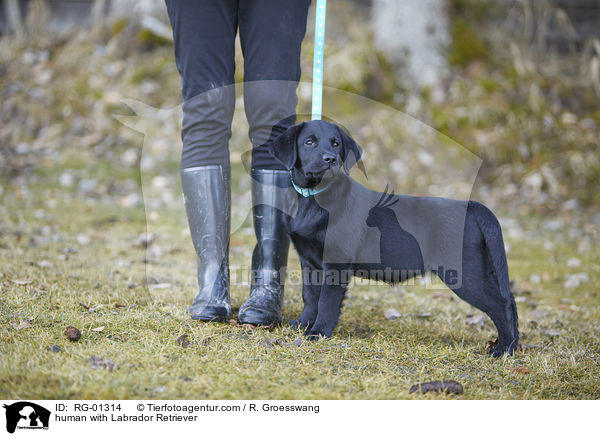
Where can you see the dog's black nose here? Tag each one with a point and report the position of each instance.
(329, 158)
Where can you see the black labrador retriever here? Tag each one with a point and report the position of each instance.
(341, 229)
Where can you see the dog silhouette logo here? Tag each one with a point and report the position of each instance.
(26, 415)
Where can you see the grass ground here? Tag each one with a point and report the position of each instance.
(52, 279)
(70, 221)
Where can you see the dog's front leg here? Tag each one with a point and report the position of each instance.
(330, 304)
(312, 280)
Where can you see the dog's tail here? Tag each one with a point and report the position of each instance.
(492, 235)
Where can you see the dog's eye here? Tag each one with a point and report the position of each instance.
(335, 144)
(309, 142)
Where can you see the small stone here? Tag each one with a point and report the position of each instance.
(575, 280)
(144, 240)
(392, 314)
(83, 239)
(45, 264)
(537, 313)
(55, 349)
(66, 179)
(475, 320)
(72, 333)
(551, 333)
(101, 363)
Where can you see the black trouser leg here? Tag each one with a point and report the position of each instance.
(204, 38)
(271, 33)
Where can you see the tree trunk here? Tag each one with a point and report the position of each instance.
(13, 16)
(413, 34)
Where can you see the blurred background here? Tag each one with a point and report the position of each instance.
(494, 100)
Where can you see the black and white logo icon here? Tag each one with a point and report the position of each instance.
(26, 415)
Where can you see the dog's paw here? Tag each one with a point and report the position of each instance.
(299, 324)
(498, 351)
(312, 335)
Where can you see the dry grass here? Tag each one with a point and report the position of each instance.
(369, 357)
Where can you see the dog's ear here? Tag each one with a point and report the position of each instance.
(283, 148)
(351, 152)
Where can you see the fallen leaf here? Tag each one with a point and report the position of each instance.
(521, 370)
(24, 324)
(446, 386)
(526, 286)
(424, 315)
(98, 329)
(531, 346)
(184, 341)
(269, 342)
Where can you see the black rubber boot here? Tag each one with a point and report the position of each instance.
(269, 259)
(207, 197)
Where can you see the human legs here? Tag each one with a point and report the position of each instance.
(271, 33)
(204, 36)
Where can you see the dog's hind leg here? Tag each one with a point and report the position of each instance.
(480, 289)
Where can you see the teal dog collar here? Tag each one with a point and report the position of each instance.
(306, 192)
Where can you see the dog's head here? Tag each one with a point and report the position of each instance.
(315, 148)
